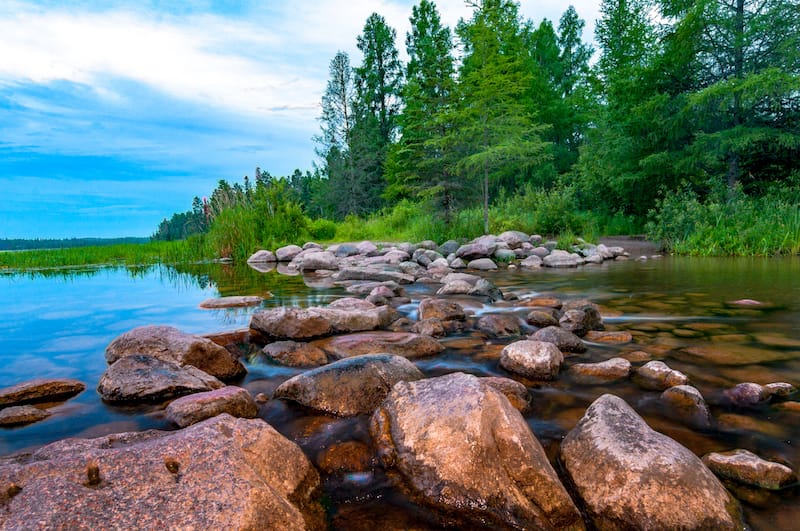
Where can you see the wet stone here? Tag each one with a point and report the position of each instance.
(563, 339)
(606, 371)
(533, 359)
(499, 325)
(747, 394)
(40, 390)
(616, 337)
(19, 415)
(542, 318)
(295, 354)
(745, 467)
(685, 403)
(657, 376)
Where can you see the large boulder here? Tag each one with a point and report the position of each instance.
(139, 378)
(533, 359)
(462, 448)
(307, 323)
(352, 386)
(559, 258)
(432, 308)
(632, 477)
(40, 390)
(295, 354)
(170, 344)
(374, 274)
(402, 344)
(686, 403)
(499, 324)
(513, 238)
(473, 251)
(191, 409)
(288, 253)
(317, 260)
(563, 339)
(223, 473)
(262, 257)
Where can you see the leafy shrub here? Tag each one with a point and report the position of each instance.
(322, 229)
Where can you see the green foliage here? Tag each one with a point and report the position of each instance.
(322, 229)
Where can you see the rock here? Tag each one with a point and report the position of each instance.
(307, 323)
(516, 393)
(563, 339)
(542, 318)
(730, 353)
(223, 473)
(352, 303)
(372, 273)
(657, 376)
(605, 371)
(513, 238)
(430, 327)
(352, 386)
(343, 250)
(574, 321)
(685, 403)
(463, 449)
(591, 319)
(504, 255)
(463, 277)
(428, 244)
(543, 302)
(16, 415)
(498, 325)
(456, 287)
(440, 309)
(402, 344)
(631, 477)
(318, 260)
(311, 245)
(140, 378)
(616, 337)
(262, 257)
(531, 262)
(458, 263)
(170, 344)
(367, 248)
(538, 360)
(559, 258)
(40, 390)
(482, 264)
(474, 251)
(540, 251)
(348, 456)
(780, 389)
(231, 302)
(288, 253)
(746, 467)
(484, 288)
(747, 395)
(439, 263)
(234, 401)
(449, 247)
(295, 354)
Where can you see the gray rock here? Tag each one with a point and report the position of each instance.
(367, 248)
(463, 449)
(540, 251)
(533, 359)
(559, 258)
(563, 339)
(312, 245)
(40, 390)
(318, 260)
(746, 467)
(170, 344)
(631, 477)
(140, 378)
(262, 257)
(231, 302)
(397, 343)
(504, 255)
(687, 404)
(307, 323)
(473, 251)
(295, 354)
(191, 409)
(458, 263)
(18, 415)
(456, 287)
(344, 250)
(440, 309)
(351, 386)
(747, 394)
(482, 264)
(513, 238)
(591, 319)
(428, 244)
(485, 288)
(223, 473)
(657, 376)
(531, 262)
(499, 325)
(449, 247)
(287, 253)
(429, 327)
(375, 274)
(461, 277)
(542, 317)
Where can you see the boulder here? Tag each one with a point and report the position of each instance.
(563, 339)
(307, 323)
(318, 260)
(657, 376)
(747, 394)
(559, 258)
(686, 403)
(455, 287)
(441, 309)
(458, 263)
(430, 327)
(17, 415)
(343, 250)
(482, 264)
(231, 302)
(632, 477)
(485, 288)
(287, 253)
(498, 325)
(402, 344)
(462, 277)
(367, 248)
(504, 255)
(170, 344)
(262, 257)
(746, 467)
(533, 359)
(540, 251)
(516, 393)
(449, 247)
(591, 318)
(574, 321)
(223, 473)
(295, 354)
(542, 317)
(352, 386)
(475, 250)
(40, 390)
(602, 372)
(513, 238)
(463, 449)
(531, 262)
(140, 378)
(191, 409)
(375, 274)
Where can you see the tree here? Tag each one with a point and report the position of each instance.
(494, 130)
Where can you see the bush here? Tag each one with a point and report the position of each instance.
(322, 229)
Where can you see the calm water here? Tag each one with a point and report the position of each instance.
(57, 325)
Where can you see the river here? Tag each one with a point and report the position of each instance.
(57, 324)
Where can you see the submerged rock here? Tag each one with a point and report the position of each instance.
(170, 344)
(17, 415)
(631, 477)
(231, 302)
(223, 473)
(40, 390)
(602, 372)
(686, 404)
(351, 386)
(746, 467)
(194, 408)
(463, 449)
(533, 359)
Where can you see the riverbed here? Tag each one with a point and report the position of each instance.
(57, 324)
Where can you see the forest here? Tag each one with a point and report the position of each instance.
(684, 123)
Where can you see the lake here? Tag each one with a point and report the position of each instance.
(57, 324)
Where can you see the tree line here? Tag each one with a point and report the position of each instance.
(682, 96)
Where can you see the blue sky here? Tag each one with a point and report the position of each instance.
(114, 115)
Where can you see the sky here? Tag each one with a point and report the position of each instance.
(114, 115)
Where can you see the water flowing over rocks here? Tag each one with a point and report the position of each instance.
(223, 473)
(351, 386)
(40, 390)
(746, 467)
(631, 477)
(534, 359)
(463, 449)
(194, 408)
(170, 344)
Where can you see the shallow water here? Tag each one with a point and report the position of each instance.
(58, 324)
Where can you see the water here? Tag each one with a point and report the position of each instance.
(58, 324)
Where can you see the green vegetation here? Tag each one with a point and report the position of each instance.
(9, 244)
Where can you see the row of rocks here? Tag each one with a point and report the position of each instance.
(17, 402)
